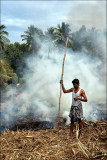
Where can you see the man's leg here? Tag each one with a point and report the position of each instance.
(80, 127)
(71, 129)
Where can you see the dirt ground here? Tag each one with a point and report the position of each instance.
(54, 144)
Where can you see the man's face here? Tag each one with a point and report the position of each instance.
(75, 85)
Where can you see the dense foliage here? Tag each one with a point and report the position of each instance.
(6, 73)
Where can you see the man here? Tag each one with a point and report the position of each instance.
(76, 112)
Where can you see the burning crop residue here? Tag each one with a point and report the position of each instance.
(30, 122)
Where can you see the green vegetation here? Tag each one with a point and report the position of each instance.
(12, 61)
(15, 54)
(31, 37)
(3, 40)
(6, 73)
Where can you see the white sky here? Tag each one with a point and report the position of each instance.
(18, 15)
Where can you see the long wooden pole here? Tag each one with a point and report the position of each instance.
(60, 84)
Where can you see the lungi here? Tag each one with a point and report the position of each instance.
(76, 113)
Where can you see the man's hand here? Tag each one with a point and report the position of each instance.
(61, 81)
(64, 90)
(77, 98)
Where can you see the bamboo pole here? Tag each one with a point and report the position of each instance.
(60, 84)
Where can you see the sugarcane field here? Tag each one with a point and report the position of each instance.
(53, 80)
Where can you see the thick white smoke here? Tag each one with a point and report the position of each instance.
(41, 94)
(88, 13)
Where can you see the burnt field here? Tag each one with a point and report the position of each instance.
(54, 144)
(26, 123)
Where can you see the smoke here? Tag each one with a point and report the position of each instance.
(40, 96)
(88, 13)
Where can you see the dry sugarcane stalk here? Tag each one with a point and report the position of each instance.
(60, 84)
(84, 147)
(101, 155)
(83, 150)
(10, 149)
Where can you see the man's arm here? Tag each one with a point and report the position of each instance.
(84, 96)
(84, 99)
(63, 88)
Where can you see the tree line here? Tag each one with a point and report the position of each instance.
(12, 59)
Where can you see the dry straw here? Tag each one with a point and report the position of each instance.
(48, 145)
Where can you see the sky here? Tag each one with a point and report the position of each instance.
(18, 15)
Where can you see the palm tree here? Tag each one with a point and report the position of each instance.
(31, 37)
(50, 37)
(3, 40)
(50, 33)
(62, 32)
(79, 38)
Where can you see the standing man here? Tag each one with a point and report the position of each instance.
(76, 111)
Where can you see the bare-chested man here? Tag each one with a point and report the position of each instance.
(76, 112)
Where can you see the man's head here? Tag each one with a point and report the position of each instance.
(75, 83)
